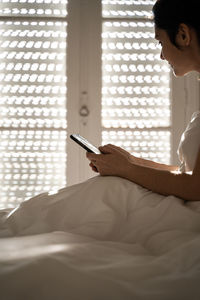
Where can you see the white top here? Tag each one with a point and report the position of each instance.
(190, 144)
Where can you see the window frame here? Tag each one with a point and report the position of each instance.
(84, 83)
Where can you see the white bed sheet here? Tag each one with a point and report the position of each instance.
(115, 240)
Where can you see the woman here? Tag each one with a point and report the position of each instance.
(177, 29)
(132, 183)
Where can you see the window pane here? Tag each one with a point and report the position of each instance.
(136, 107)
(32, 108)
(30, 8)
(31, 162)
(127, 8)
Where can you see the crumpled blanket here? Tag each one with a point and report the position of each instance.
(106, 238)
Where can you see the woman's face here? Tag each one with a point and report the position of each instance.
(181, 60)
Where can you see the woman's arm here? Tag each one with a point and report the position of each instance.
(154, 165)
(113, 162)
(144, 162)
(185, 186)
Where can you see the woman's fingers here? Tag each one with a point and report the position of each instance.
(110, 148)
(91, 156)
(93, 167)
(106, 149)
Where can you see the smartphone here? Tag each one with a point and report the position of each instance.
(84, 143)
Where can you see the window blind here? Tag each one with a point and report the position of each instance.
(32, 98)
(136, 106)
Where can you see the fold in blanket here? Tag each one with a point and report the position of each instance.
(106, 238)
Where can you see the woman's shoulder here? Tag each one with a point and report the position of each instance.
(190, 143)
(194, 122)
(195, 116)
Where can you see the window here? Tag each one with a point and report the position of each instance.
(59, 57)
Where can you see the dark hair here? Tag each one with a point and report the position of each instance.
(169, 14)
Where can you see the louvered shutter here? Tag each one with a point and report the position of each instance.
(32, 98)
(136, 107)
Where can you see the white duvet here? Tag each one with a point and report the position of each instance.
(104, 239)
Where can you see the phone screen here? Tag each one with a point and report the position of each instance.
(84, 143)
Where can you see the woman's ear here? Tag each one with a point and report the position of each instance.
(183, 37)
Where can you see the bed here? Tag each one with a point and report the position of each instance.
(145, 250)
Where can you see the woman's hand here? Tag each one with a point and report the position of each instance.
(113, 161)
